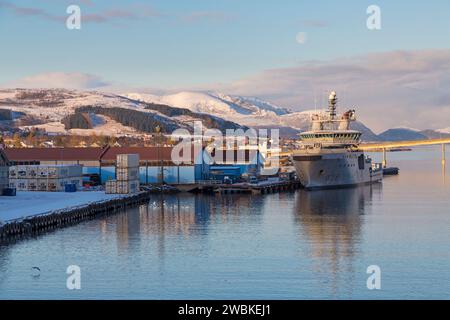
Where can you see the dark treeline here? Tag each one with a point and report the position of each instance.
(6, 114)
(146, 121)
(78, 120)
(141, 121)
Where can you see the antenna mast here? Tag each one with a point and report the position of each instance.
(332, 101)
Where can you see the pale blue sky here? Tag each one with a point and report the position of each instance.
(397, 76)
(172, 44)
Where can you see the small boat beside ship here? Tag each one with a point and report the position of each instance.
(329, 156)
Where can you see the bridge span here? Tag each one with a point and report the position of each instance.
(384, 146)
(387, 145)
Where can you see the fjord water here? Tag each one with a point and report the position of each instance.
(299, 245)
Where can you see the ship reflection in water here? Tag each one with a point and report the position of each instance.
(329, 226)
(331, 221)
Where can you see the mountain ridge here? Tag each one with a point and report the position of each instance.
(178, 110)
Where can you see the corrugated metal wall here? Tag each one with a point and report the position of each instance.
(172, 174)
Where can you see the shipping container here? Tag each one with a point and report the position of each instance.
(75, 171)
(60, 172)
(42, 185)
(126, 187)
(57, 172)
(32, 172)
(42, 172)
(124, 174)
(12, 172)
(20, 184)
(21, 172)
(44, 178)
(111, 187)
(47, 171)
(127, 161)
(57, 185)
(32, 184)
(122, 187)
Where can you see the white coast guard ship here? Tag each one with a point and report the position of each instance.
(329, 156)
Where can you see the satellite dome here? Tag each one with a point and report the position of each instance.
(332, 95)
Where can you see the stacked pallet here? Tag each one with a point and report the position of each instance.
(127, 175)
(45, 177)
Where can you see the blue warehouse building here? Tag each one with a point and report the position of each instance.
(233, 164)
(153, 161)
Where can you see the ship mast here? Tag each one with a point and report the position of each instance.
(332, 101)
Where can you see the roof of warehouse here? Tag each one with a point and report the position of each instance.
(145, 153)
(53, 154)
(89, 154)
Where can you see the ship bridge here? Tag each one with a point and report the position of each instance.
(331, 137)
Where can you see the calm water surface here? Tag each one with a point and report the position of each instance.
(299, 245)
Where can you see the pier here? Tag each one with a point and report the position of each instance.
(263, 187)
(44, 222)
(385, 146)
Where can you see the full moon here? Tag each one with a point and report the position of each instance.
(301, 37)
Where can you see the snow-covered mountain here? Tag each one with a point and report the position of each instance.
(247, 111)
(243, 110)
(46, 108)
(444, 131)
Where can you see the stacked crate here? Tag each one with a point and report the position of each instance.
(127, 175)
(45, 177)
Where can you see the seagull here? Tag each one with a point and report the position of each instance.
(36, 271)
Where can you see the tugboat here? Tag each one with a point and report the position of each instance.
(329, 156)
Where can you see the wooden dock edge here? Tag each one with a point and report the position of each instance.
(70, 216)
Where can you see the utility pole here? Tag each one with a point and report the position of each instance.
(443, 154)
(160, 155)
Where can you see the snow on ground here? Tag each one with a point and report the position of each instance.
(103, 125)
(65, 103)
(106, 126)
(245, 111)
(445, 130)
(406, 128)
(50, 127)
(28, 203)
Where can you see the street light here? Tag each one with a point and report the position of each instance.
(158, 132)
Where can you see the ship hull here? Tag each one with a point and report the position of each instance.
(334, 170)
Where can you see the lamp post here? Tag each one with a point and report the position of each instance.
(160, 156)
